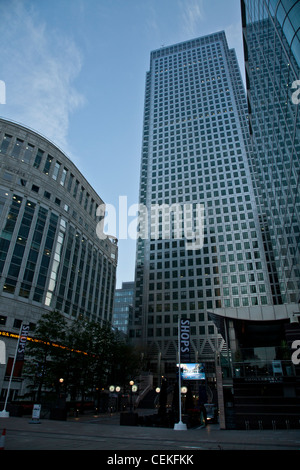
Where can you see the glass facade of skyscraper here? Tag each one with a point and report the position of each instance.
(123, 307)
(271, 33)
(195, 151)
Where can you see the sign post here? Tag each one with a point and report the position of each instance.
(183, 350)
(19, 355)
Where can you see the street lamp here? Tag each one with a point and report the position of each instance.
(117, 389)
(131, 383)
(61, 381)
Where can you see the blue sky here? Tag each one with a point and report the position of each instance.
(75, 70)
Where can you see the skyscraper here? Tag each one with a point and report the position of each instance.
(195, 152)
(271, 36)
(123, 305)
(271, 32)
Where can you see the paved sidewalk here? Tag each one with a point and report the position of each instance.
(104, 432)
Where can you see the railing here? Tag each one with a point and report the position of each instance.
(270, 369)
(142, 394)
(258, 362)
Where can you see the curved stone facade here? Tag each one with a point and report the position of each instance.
(50, 255)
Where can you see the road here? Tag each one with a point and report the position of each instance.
(95, 432)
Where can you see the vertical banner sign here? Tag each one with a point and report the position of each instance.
(22, 343)
(184, 341)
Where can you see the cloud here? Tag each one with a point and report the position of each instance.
(39, 67)
(192, 13)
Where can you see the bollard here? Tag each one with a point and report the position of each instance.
(247, 425)
(260, 425)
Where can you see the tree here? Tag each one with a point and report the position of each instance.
(87, 355)
(89, 359)
(79, 359)
(45, 357)
(126, 363)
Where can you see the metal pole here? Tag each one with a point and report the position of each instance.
(179, 376)
(131, 399)
(179, 426)
(4, 413)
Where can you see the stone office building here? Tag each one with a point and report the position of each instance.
(50, 255)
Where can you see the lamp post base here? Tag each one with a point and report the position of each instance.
(4, 414)
(180, 426)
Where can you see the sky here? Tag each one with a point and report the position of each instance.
(74, 71)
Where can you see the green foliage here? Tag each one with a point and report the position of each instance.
(88, 356)
(45, 357)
